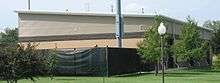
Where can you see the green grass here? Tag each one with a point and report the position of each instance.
(177, 76)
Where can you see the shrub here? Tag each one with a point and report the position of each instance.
(24, 62)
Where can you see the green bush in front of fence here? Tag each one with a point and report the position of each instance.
(216, 62)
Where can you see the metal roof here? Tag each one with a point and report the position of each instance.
(82, 13)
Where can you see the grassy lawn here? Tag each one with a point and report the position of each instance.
(177, 76)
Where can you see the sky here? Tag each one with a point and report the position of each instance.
(200, 10)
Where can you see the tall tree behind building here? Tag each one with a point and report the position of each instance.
(189, 47)
(10, 36)
(215, 39)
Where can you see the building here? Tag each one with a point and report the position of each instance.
(80, 30)
(86, 30)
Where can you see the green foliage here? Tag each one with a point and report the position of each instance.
(149, 48)
(190, 46)
(24, 62)
(215, 39)
(49, 61)
(216, 62)
(10, 36)
(19, 61)
(214, 25)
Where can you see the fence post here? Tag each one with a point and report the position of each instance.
(106, 65)
(107, 71)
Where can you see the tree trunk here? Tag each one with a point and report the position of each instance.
(199, 64)
(190, 62)
(175, 62)
(210, 55)
(157, 64)
(156, 69)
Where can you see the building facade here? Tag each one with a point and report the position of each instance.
(83, 30)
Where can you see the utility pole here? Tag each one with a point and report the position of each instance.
(119, 24)
(29, 4)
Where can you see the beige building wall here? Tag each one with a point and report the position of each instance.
(31, 25)
(127, 43)
(52, 24)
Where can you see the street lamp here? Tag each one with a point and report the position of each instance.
(162, 29)
(162, 32)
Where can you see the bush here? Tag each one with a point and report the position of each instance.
(24, 62)
(216, 62)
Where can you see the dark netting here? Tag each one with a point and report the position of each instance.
(123, 61)
(84, 61)
(98, 61)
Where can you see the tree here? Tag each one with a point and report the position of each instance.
(214, 25)
(18, 61)
(10, 36)
(190, 47)
(215, 38)
(149, 48)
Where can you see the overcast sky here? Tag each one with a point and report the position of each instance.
(201, 10)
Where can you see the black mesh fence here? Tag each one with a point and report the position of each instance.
(97, 61)
(82, 61)
(123, 61)
(102, 62)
